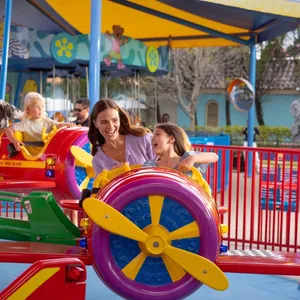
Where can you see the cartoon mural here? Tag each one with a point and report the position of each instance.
(16, 47)
(8, 91)
(117, 40)
(30, 86)
(63, 48)
(45, 50)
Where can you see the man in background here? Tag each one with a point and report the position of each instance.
(165, 118)
(81, 111)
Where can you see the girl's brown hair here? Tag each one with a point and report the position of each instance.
(181, 144)
(96, 138)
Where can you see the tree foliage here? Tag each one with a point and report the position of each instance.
(194, 70)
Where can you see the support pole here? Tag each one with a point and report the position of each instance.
(252, 77)
(68, 108)
(41, 83)
(138, 97)
(106, 85)
(5, 48)
(155, 101)
(53, 87)
(87, 82)
(132, 98)
(95, 36)
(73, 90)
(135, 98)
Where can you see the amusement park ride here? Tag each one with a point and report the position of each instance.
(53, 168)
(150, 233)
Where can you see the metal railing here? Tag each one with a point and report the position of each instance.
(263, 209)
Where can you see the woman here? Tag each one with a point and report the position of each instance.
(115, 140)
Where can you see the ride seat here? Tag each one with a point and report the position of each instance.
(32, 148)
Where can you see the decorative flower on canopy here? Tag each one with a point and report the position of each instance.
(64, 48)
(152, 59)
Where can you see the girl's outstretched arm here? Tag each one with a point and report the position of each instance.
(205, 157)
(59, 125)
(197, 158)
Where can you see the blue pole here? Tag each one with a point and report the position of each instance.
(95, 36)
(252, 77)
(8, 5)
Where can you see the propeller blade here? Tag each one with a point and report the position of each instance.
(156, 203)
(174, 270)
(112, 220)
(199, 267)
(132, 269)
(82, 156)
(190, 230)
(84, 184)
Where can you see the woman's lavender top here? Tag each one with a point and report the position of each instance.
(138, 150)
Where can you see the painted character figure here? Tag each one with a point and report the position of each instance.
(117, 40)
(16, 48)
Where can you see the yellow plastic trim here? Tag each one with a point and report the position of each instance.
(197, 176)
(107, 175)
(8, 163)
(47, 138)
(224, 228)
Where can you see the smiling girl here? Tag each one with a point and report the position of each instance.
(173, 150)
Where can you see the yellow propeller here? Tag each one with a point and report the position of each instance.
(83, 159)
(197, 266)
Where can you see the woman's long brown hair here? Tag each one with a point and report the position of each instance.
(96, 138)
